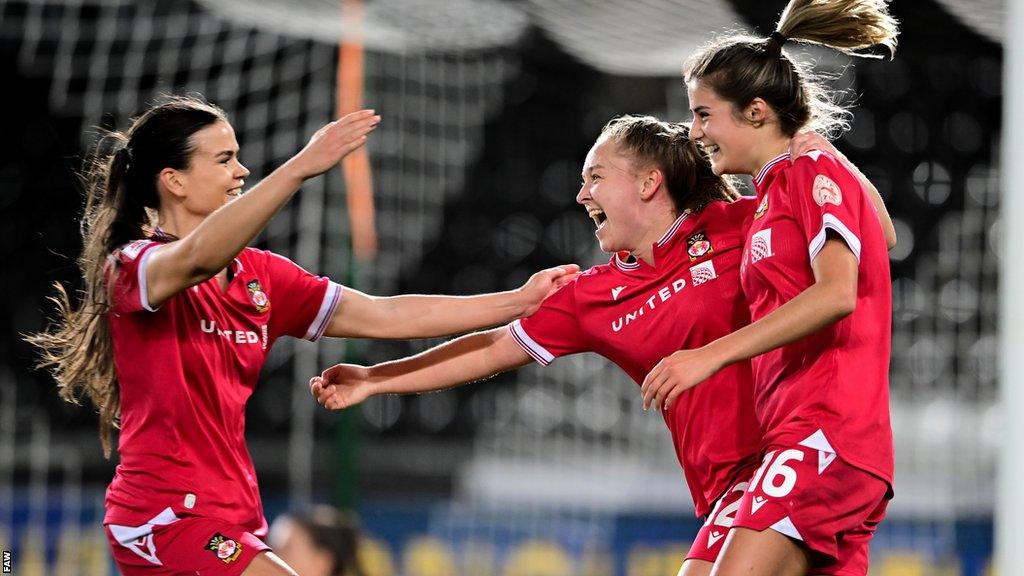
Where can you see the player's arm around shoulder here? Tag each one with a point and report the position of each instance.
(805, 143)
(466, 359)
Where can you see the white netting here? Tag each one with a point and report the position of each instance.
(105, 60)
(571, 435)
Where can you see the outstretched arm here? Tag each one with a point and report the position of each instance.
(804, 142)
(220, 237)
(469, 358)
(415, 316)
(832, 297)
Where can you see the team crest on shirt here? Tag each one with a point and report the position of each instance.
(761, 208)
(258, 296)
(698, 245)
(226, 549)
(826, 191)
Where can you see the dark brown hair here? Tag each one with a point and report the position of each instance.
(336, 533)
(740, 68)
(687, 170)
(120, 179)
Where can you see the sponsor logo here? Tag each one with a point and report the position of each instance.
(761, 245)
(756, 504)
(761, 208)
(226, 549)
(662, 295)
(714, 537)
(826, 191)
(233, 336)
(258, 296)
(616, 291)
(703, 272)
(698, 245)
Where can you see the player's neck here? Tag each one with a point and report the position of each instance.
(176, 223)
(660, 225)
(770, 150)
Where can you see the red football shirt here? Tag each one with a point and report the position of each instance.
(186, 371)
(635, 315)
(836, 380)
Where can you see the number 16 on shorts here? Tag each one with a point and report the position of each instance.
(774, 495)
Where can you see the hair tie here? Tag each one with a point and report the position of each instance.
(778, 39)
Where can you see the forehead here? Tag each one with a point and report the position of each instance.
(605, 152)
(700, 94)
(215, 138)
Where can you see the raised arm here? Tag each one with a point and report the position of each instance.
(804, 142)
(416, 316)
(208, 248)
(469, 358)
(832, 297)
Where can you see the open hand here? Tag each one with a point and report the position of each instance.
(341, 386)
(545, 283)
(333, 142)
(808, 140)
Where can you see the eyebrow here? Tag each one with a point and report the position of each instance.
(699, 108)
(228, 153)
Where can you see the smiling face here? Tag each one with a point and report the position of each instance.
(214, 176)
(612, 194)
(730, 141)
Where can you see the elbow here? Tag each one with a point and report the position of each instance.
(890, 240)
(844, 304)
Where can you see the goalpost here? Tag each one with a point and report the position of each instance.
(1010, 499)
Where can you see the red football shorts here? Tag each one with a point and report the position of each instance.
(711, 536)
(193, 544)
(808, 493)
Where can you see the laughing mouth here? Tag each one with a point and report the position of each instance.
(598, 216)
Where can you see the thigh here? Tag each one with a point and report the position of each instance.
(267, 563)
(764, 553)
(693, 567)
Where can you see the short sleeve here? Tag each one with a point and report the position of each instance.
(128, 265)
(301, 304)
(553, 330)
(826, 196)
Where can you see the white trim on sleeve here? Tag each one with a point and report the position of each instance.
(330, 302)
(538, 352)
(143, 289)
(830, 221)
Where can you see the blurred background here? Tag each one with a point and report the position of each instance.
(489, 107)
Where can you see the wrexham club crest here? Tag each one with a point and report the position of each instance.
(225, 548)
(698, 245)
(258, 296)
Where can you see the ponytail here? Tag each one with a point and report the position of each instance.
(120, 178)
(740, 68)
